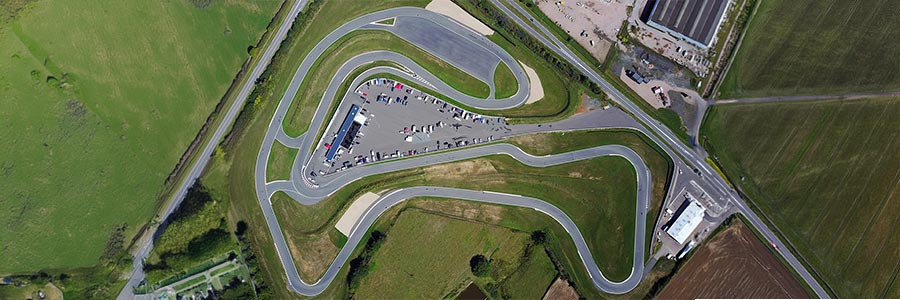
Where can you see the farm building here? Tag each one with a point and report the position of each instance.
(696, 21)
(688, 218)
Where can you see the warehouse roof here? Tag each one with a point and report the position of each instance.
(694, 20)
(688, 220)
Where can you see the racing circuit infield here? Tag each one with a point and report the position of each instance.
(301, 189)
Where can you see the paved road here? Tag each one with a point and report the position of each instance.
(146, 242)
(309, 193)
(664, 137)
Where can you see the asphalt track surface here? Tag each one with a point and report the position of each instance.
(309, 193)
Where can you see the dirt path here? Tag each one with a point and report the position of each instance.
(805, 98)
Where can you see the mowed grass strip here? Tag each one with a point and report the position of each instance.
(100, 100)
(820, 47)
(280, 162)
(505, 83)
(357, 42)
(827, 173)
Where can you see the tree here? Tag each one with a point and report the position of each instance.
(539, 237)
(241, 228)
(480, 265)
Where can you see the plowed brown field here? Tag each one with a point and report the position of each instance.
(733, 264)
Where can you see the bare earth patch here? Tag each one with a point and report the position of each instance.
(490, 214)
(450, 9)
(461, 169)
(536, 90)
(561, 290)
(354, 212)
(588, 21)
(644, 91)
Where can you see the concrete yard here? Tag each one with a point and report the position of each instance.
(593, 23)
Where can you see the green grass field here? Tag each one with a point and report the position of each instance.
(280, 161)
(421, 245)
(817, 47)
(827, 174)
(504, 82)
(532, 278)
(97, 113)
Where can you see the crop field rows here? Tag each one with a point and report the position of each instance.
(817, 47)
(827, 173)
(733, 264)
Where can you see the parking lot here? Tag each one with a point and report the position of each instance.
(395, 121)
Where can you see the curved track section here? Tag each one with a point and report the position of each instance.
(308, 193)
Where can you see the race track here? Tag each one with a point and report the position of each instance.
(308, 193)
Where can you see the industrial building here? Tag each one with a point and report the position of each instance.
(688, 217)
(696, 21)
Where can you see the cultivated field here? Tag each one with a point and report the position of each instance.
(827, 173)
(817, 47)
(733, 264)
(100, 100)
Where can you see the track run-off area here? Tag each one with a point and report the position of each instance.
(308, 193)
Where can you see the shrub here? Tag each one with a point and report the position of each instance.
(480, 265)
